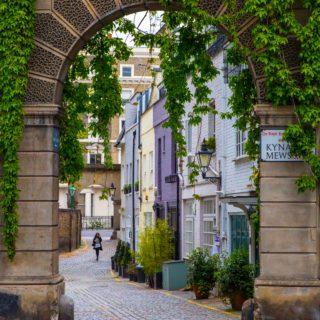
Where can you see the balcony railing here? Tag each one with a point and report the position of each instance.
(98, 222)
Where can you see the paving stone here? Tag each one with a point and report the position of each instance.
(98, 296)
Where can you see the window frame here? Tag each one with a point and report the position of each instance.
(122, 66)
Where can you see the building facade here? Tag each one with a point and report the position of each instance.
(134, 77)
(167, 182)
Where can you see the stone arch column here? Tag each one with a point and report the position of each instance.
(62, 28)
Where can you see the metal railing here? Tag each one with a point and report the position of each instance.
(99, 222)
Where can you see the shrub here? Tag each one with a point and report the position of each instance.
(155, 247)
(236, 275)
(126, 255)
(116, 256)
(202, 268)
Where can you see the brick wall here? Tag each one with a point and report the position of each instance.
(69, 229)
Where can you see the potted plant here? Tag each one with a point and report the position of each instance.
(125, 259)
(136, 186)
(201, 272)
(236, 278)
(115, 257)
(119, 258)
(155, 247)
(132, 271)
(129, 188)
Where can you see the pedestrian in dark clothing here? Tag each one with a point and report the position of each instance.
(97, 244)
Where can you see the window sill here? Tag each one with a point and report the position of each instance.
(241, 159)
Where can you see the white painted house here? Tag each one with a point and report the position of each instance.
(215, 217)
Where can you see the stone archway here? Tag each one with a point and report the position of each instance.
(289, 223)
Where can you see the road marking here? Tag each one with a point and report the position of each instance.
(116, 278)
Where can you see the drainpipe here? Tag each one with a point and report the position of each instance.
(133, 193)
(178, 219)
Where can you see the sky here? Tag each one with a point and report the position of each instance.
(145, 22)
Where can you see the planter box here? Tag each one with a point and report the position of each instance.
(174, 275)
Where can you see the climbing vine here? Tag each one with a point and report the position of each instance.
(183, 43)
(16, 43)
(101, 99)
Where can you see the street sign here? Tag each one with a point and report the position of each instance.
(273, 148)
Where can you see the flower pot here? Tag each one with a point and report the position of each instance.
(116, 267)
(112, 263)
(133, 277)
(200, 295)
(237, 299)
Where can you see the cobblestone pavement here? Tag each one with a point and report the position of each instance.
(99, 296)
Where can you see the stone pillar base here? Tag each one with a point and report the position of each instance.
(31, 298)
(298, 300)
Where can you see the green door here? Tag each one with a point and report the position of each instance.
(239, 232)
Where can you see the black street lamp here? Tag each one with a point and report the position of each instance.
(112, 190)
(204, 159)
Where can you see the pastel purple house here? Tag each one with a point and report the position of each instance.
(166, 178)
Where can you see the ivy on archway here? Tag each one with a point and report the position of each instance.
(183, 46)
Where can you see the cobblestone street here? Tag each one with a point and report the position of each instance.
(99, 295)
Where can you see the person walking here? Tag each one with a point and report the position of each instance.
(97, 244)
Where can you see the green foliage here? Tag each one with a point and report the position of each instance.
(155, 247)
(202, 268)
(126, 255)
(16, 44)
(102, 100)
(185, 60)
(116, 256)
(236, 274)
(96, 224)
(211, 144)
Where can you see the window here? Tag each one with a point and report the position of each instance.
(159, 171)
(173, 157)
(240, 142)
(188, 127)
(211, 124)
(126, 94)
(188, 228)
(190, 159)
(95, 158)
(127, 174)
(151, 168)
(126, 71)
(148, 219)
(208, 223)
(144, 165)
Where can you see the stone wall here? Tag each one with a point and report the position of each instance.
(69, 229)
